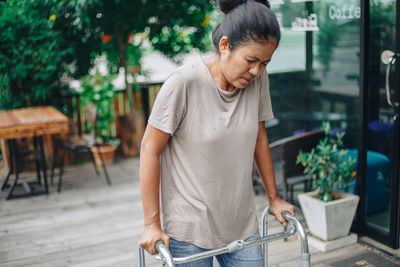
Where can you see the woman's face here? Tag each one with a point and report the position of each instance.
(246, 62)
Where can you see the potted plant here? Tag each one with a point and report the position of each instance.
(98, 90)
(328, 211)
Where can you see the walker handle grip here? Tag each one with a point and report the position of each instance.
(158, 244)
(284, 214)
(166, 256)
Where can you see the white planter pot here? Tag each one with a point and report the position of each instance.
(329, 220)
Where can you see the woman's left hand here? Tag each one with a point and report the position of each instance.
(278, 206)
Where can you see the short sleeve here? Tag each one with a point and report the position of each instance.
(264, 107)
(170, 105)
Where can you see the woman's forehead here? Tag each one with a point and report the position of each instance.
(262, 50)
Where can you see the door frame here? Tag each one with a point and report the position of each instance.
(391, 238)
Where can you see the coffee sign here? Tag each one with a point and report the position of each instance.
(344, 12)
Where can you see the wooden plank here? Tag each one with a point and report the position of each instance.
(33, 115)
(4, 152)
(153, 91)
(117, 114)
(92, 224)
(8, 119)
(28, 122)
(125, 100)
(79, 115)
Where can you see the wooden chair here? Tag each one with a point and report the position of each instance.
(286, 151)
(78, 144)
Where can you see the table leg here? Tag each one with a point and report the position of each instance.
(11, 164)
(36, 152)
(16, 158)
(15, 163)
(43, 164)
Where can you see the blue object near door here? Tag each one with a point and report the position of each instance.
(378, 181)
(381, 137)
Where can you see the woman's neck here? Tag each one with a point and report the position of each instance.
(214, 66)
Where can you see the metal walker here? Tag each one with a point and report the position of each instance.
(294, 226)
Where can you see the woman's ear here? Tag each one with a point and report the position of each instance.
(224, 45)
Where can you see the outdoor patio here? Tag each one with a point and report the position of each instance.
(92, 224)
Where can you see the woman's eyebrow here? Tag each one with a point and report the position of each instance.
(254, 57)
(267, 60)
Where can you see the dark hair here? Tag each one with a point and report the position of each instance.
(246, 20)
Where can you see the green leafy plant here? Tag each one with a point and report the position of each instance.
(98, 90)
(128, 29)
(328, 165)
(42, 45)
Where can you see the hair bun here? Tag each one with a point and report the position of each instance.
(227, 5)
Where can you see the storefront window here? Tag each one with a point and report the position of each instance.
(380, 114)
(314, 74)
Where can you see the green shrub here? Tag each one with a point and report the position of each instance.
(42, 45)
(98, 89)
(328, 165)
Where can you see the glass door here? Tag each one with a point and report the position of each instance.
(378, 187)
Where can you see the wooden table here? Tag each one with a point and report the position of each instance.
(34, 122)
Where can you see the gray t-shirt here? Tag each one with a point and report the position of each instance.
(206, 186)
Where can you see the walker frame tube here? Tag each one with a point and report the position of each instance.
(294, 226)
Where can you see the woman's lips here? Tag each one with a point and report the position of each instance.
(245, 80)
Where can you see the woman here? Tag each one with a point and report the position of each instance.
(205, 130)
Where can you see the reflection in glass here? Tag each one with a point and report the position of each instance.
(380, 116)
(314, 76)
(314, 73)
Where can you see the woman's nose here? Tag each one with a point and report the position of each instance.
(255, 70)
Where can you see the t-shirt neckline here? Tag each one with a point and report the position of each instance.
(221, 91)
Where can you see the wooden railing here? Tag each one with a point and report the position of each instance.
(143, 99)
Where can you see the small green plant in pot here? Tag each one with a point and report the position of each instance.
(328, 165)
(98, 90)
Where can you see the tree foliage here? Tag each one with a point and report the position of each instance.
(171, 27)
(42, 43)
(45, 43)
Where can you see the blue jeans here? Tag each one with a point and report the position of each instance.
(248, 257)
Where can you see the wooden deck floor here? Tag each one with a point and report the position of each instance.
(91, 224)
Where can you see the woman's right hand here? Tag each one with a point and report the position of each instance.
(150, 235)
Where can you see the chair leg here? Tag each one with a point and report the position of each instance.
(104, 169)
(291, 193)
(55, 151)
(285, 191)
(305, 186)
(61, 171)
(11, 189)
(93, 161)
(43, 164)
(308, 186)
(5, 182)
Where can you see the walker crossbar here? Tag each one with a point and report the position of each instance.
(294, 226)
